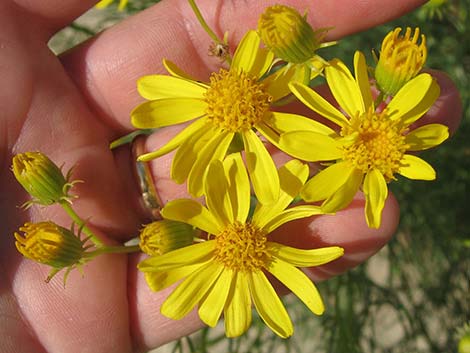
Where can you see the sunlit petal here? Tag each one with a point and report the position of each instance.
(344, 195)
(153, 87)
(216, 192)
(260, 165)
(237, 311)
(414, 99)
(239, 186)
(166, 112)
(344, 87)
(216, 148)
(175, 71)
(291, 214)
(212, 305)
(192, 212)
(188, 294)
(375, 191)
(161, 280)
(176, 141)
(326, 182)
(310, 146)
(268, 305)
(415, 168)
(317, 103)
(189, 255)
(362, 78)
(305, 258)
(250, 58)
(298, 283)
(427, 136)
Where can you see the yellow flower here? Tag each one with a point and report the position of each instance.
(291, 38)
(41, 178)
(160, 237)
(372, 145)
(234, 105)
(50, 244)
(401, 59)
(105, 3)
(226, 273)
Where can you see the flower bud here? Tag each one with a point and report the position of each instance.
(50, 244)
(401, 59)
(288, 34)
(40, 177)
(160, 237)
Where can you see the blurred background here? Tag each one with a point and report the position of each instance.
(414, 295)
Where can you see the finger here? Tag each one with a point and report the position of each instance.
(107, 67)
(48, 16)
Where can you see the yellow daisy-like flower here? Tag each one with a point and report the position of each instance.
(372, 146)
(105, 3)
(227, 272)
(231, 107)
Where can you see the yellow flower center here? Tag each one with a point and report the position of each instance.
(236, 101)
(380, 143)
(242, 247)
(401, 59)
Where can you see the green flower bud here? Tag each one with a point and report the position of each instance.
(160, 237)
(40, 177)
(50, 244)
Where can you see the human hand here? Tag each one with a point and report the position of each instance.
(71, 108)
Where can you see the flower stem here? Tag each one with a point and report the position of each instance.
(379, 99)
(111, 250)
(81, 223)
(204, 23)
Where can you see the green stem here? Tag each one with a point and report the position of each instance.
(204, 23)
(379, 99)
(81, 223)
(111, 250)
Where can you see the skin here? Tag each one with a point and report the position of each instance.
(71, 107)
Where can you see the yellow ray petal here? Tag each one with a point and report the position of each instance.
(344, 87)
(175, 71)
(298, 283)
(291, 214)
(166, 112)
(317, 103)
(153, 87)
(176, 141)
(305, 258)
(216, 192)
(269, 306)
(285, 122)
(185, 297)
(216, 148)
(310, 146)
(189, 255)
(362, 78)
(250, 58)
(292, 177)
(192, 212)
(416, 168)
(326, 182)
(239, 186)
(427, 136)
(376, 191)
(237, 311)
(186, 155)
(212, 305)
(344, 195)
(414, 99)
(278, 83)
(161, 280)
(262, 170)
